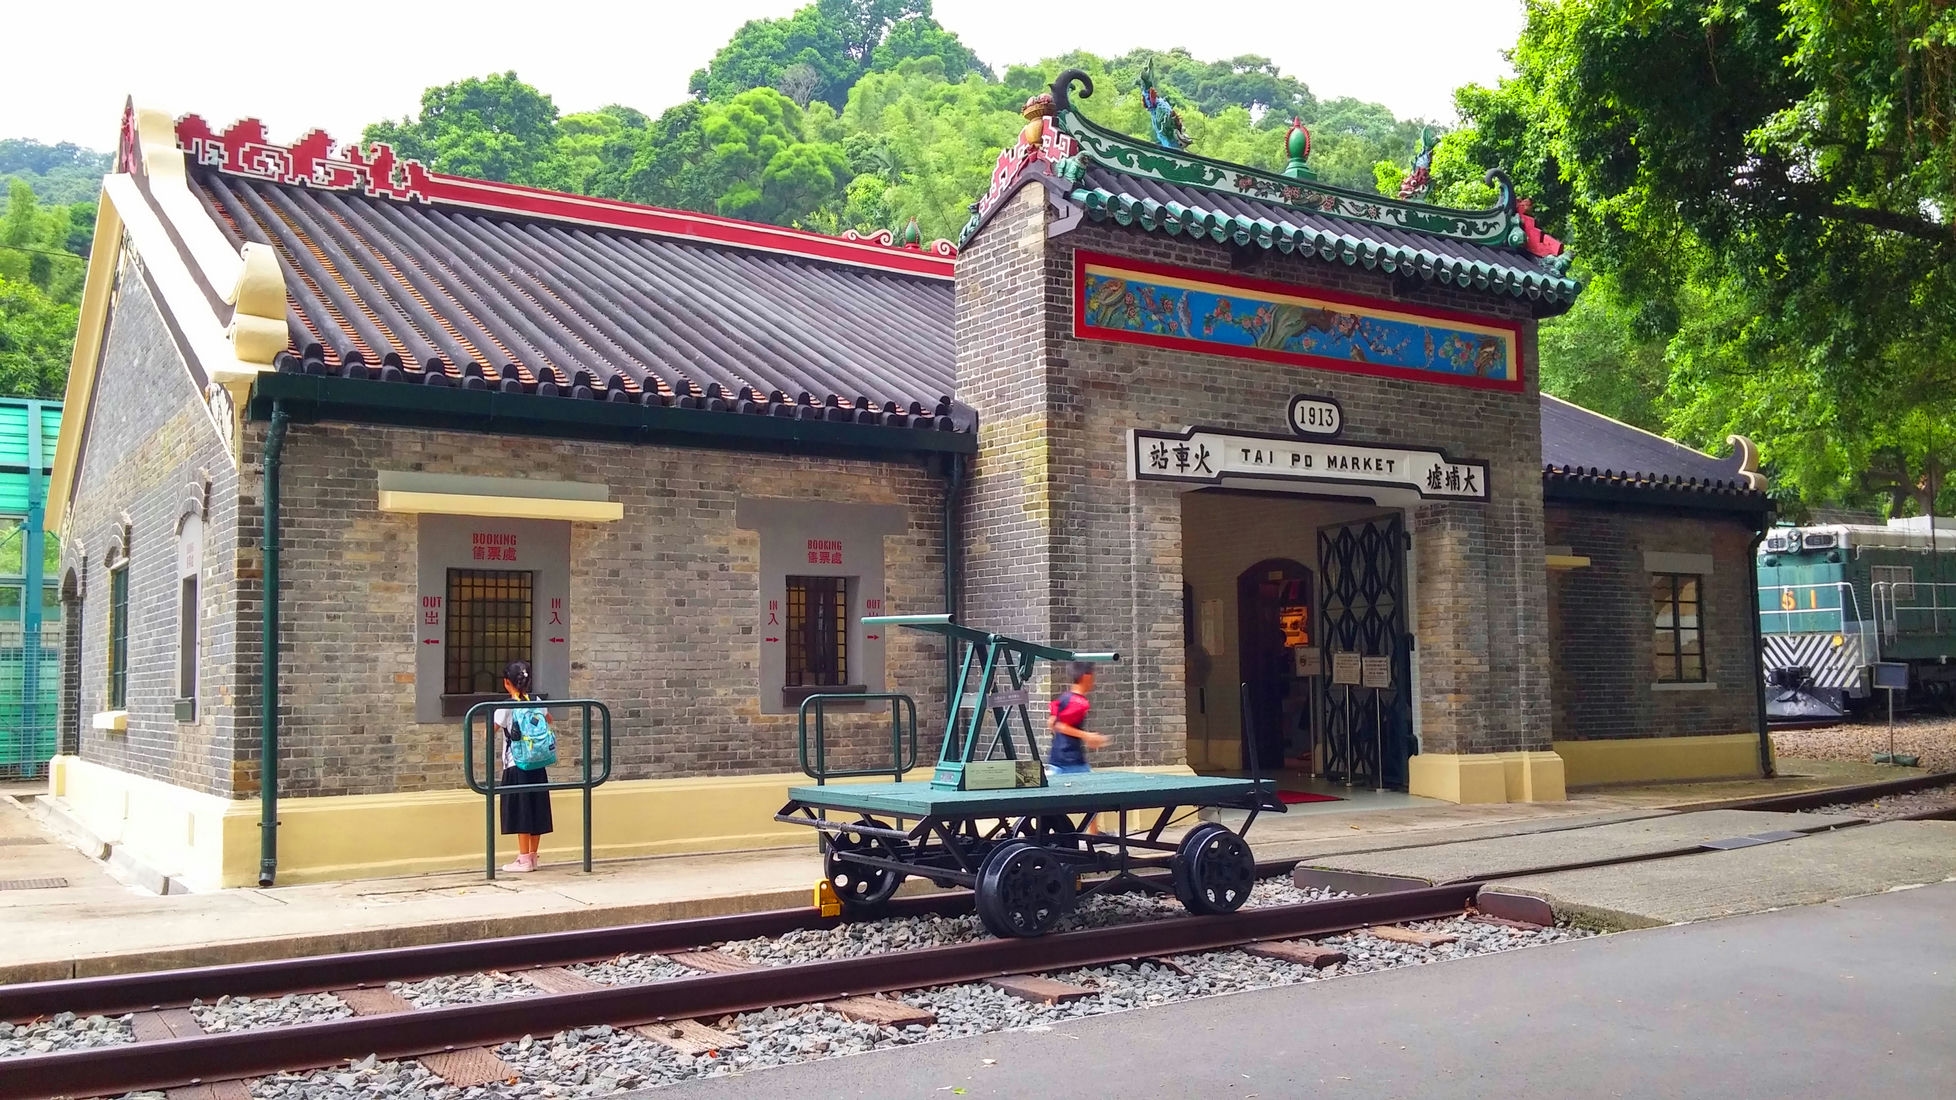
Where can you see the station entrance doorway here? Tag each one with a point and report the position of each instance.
(1298, 636)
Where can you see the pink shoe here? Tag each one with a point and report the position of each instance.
(521, 864)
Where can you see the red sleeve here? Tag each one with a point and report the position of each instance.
(1071, 710)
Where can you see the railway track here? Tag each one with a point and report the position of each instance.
(180, 1059)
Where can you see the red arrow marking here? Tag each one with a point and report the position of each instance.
(557, 641)
(431, 641)
(770, 639)
(870, 637)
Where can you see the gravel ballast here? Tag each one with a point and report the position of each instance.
(462, 989)
(1932, 739)
(66, 1031)
(600, 1061)
(227, 1014)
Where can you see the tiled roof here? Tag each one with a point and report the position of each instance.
(1583, 448)
(413, 277)
(1110, 176)
(1162, 207)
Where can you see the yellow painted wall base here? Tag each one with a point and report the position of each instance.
(1527, 776)
(207, 842)
(1661, 759)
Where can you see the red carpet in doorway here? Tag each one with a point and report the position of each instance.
(1292, 798)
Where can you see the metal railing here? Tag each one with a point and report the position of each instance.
(492, 755)
(1830, 608)
(1913, 607)
(902, 757)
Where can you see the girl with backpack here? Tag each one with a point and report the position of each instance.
(529, 745)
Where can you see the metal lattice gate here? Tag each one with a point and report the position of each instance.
(27, 726)
(1362, 571)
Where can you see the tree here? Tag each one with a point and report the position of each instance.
(593, 151)
(920, 37)
(59, 174)
(37, 336)
(495, 128)
(44, 246)
(762, 50)
(1773, 182)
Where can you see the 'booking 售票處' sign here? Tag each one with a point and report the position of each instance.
(1209, 456)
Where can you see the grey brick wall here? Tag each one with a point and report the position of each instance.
(1063, 544)
(149, 439)
(665, 604)
(1601, 618)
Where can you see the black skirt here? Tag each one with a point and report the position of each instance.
(525, 811)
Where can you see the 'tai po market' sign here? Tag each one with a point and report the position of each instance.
(1208, 456)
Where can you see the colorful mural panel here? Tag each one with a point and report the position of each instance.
(1127, 301)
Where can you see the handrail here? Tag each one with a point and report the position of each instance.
(1889, 609)
(820, 773)
(1861, 623)
(491, 754)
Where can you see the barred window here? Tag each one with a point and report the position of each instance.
(489, 625)
(1679, 651)
(818, 632)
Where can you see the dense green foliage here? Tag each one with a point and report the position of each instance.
(1767, 186)
(59, 174)
(43, 250)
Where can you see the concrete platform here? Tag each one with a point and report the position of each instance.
(1508, 855)
(1814, 869)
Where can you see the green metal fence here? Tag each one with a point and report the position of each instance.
(30, 608)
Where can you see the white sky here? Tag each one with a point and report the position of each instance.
(297, 65)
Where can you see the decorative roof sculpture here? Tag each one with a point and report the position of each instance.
(1167, 122)
(1417, 182)
(1092, 171)
(1297, 143)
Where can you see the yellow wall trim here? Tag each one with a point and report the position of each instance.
(1660, 759)
(1525, 776)
(460, 504)
(1567, 561)
(208, 842)
(109, 720)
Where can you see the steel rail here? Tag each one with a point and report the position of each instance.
(171, 1063)
(111, 994)
(1814, 799)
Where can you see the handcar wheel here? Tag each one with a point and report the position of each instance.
(1023, 890)
(863, 890)
(1213, 871)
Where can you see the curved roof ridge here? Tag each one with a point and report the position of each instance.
(317, 161)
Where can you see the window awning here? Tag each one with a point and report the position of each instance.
(500, 497)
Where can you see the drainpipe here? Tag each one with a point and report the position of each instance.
(1759, 652)
(268, 674)
(953, 559)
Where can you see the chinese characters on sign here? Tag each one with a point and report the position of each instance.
(557, 620)
(487, 546)
(1209, 456)
(825, 551)
(431, 619)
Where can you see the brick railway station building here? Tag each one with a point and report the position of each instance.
(1278, 444)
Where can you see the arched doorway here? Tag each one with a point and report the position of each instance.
(1274, 617)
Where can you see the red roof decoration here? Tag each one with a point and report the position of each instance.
(318, 162)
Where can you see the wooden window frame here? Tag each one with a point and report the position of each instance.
(809, 667)
(1668, 589)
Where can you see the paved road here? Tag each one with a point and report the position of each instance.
(1847, 999)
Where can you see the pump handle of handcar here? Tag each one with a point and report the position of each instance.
(943, 624)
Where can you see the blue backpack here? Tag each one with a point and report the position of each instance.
(535, 745)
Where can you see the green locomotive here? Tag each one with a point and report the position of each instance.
(1835, 599)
